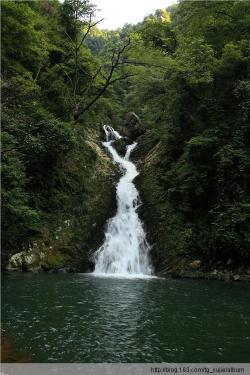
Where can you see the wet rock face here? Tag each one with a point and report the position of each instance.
(121, 144)
(102, 134)
(133, 126)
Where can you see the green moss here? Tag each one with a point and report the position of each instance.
(55, 260)
(165, 228)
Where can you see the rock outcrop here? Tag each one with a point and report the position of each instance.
(66, 246)
(121, 145)
(39, 258)
(133, 126)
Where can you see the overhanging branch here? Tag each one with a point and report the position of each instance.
(122, 78)
(130, 62)
(89, 27)
(115, 59)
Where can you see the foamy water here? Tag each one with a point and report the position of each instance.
(125, 251)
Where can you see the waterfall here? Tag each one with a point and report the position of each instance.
(125, 248)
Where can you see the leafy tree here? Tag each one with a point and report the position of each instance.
(184, 70)
(193, 96)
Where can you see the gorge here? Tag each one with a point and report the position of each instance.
(102, 224)
(177, 85)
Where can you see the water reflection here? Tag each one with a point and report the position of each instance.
(121, 315)
(82, 318)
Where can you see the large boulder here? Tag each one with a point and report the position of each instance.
(121, 145)
(195, 265)
(38, 258)
(25, 260)
(133, 126)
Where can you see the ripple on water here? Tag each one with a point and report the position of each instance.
(69, 318)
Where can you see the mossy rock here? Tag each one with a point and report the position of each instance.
(55, 260)
(39, 259)
(121, 145)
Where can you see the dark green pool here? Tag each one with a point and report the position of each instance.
(82, 318)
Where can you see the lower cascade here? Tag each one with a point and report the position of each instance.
(125, 249)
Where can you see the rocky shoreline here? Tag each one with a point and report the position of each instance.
(227, 276)
(177, 272)
(180, 267)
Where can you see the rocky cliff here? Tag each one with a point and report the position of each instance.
(69, 245)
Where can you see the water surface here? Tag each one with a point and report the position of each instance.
(83, 318)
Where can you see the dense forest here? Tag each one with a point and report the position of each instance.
(184, 71)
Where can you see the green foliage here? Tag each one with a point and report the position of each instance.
(194, 99)
(49, 193)
(23, 36)
(188, 80)
(21, 221)
(54, 260)
(157, 32)
(232, 230)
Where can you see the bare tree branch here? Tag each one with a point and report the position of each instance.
(130, 62)
(68, 36)
(92, 80)
(68, 77)
(76, 40)
(89, 27)
(115, 59)
(77, 45)
(122, 78)
(38, 72)
(226, 14)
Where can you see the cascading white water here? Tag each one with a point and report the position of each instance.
(125, 249)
